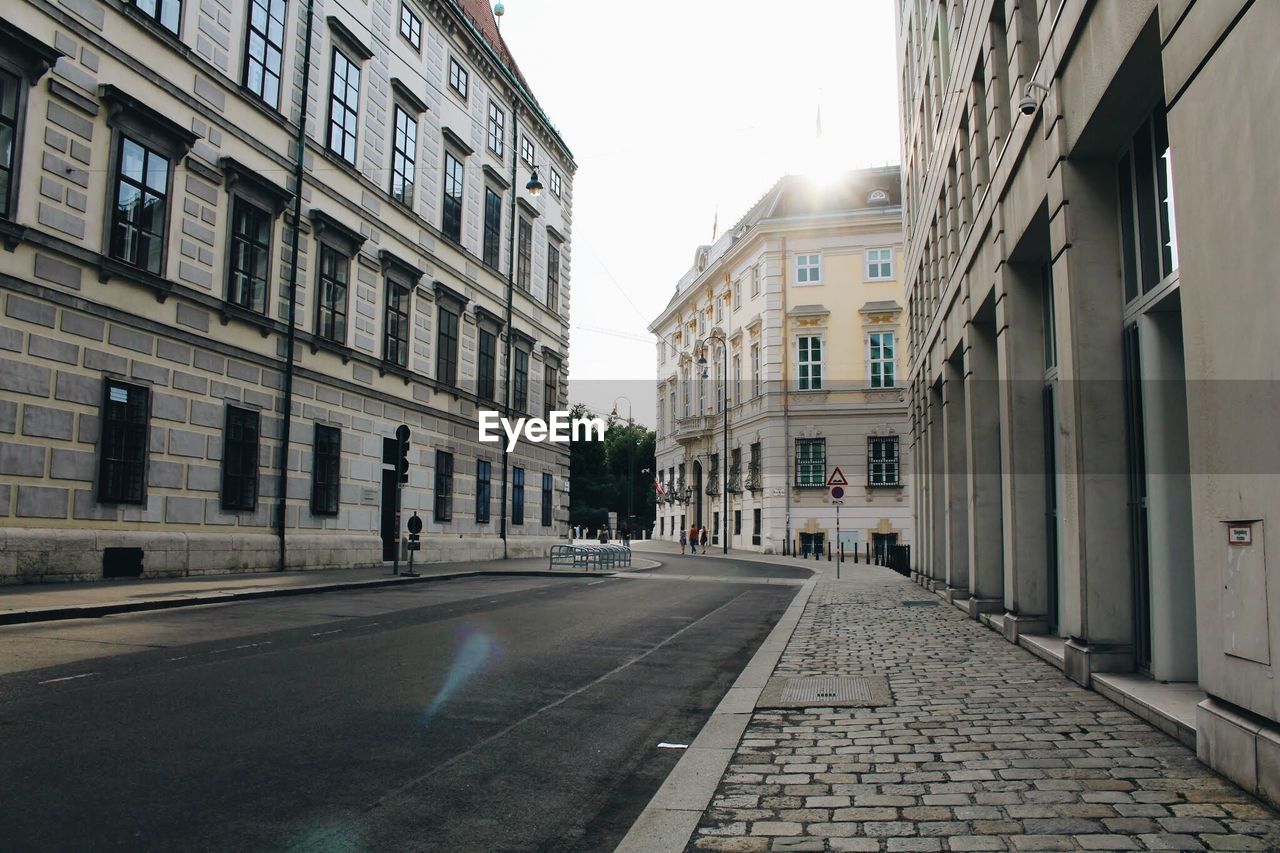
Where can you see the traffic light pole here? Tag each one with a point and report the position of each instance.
(402, 476)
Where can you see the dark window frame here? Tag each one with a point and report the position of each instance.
(331, 323)
(550, 389)
(397, 324)
(492, 246)
(883, 462)
(520, 380)
(484, 490)
(496, 128)
(459, 78)
(157, 14)
(242, 277)
(486, 364)
(524, 254)
(807, 459)
(556, 188)
(13, 126)
(455, 184)
(517, 496)
(756, 524)
(442, 503)
(241, 442)
(404, 151)
(326, 466)
(414, 37)
(548, 498)
(553, 276)
(528, 152)
(117, 248)
(268, 49)
(447, 333)
(123, 443)
(340, 109)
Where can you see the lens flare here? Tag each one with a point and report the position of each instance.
(476, 651)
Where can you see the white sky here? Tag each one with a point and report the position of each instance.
(674, 110)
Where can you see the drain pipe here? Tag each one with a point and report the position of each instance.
(786, 396)
(291, 333)
(511, 282)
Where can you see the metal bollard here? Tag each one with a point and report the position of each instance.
(828, 552)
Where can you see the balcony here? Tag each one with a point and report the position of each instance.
(734, 484)
(713, 485)
(694, 428)
(755, 481)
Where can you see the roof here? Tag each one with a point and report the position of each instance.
(796, 196)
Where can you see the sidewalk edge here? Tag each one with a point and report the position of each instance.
(668, 821)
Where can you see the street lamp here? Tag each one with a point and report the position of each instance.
(631, 454)
(724, 411)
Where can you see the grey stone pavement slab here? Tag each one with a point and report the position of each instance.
(984, 747)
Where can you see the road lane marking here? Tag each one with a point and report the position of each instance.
(327, 633)
(593, 583)
(179, 657)
(67, 678)
(401, 789)
(665, 745)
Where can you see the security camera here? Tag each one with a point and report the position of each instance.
(1027, 104)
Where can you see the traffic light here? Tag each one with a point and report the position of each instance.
(402, 462)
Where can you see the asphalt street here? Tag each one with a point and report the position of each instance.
(492, 713)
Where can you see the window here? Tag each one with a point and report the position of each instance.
(324, 470)
(755, 280)
(1049, 328)
(527, 150)
(483, 490)
(453, 178)
(1147, 232)
(166, 13)
(737, 522)
(10, 89)
(122, 443)
(404, 145)
(755, 526)
(524, 252)
(809, 363)
(555, 183)
(492, 227)
(250, 256)
(879, 264)
(487, 364)
(547, 500)
(447, 347)
(331, 307)
(517, 496)
(880, 359)
(444, 486)
(550, 389)
(808, 269)
(395, 333)
(737, 294)
(344, 102)
(410, 27)
(520, 388)
(737, 378)
(755, 370)
(753, 468)
(457, 78)
(263, 50)
(240, 460)
(138, 218)
(497, 121)
(553, 276)
(719, 310)
(882, 460)
(811, 462)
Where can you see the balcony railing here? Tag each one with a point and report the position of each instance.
(734, 484)
(755, 482)
(713, 485)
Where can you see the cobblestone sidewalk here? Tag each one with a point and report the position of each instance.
(985, 747)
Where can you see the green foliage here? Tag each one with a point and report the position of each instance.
(599, 472)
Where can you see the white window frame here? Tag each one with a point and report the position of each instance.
(719, 309)
(755, 280)
(874, 263)
(891, 361)
(755, 370)
(737, 294)
(810, 264)
(808, 369)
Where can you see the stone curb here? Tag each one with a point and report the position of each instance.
(108, 608)
(668, 821)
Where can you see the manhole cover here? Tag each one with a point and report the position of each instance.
(853, 691)
(920, 602)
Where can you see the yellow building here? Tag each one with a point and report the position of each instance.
(795, 316)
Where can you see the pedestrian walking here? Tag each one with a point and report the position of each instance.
(684, 539)
(693, 539)
(702, 539)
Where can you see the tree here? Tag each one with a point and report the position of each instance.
(599, 473)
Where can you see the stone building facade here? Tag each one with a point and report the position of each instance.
(798, 312)
(147, 207)
(1090, 405)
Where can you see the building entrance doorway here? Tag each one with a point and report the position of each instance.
(697, 494)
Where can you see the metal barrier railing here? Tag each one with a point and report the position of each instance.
(590, 557)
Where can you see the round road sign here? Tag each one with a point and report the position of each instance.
(837, 492)
(415, 524)
(402, 433)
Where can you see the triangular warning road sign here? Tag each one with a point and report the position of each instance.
(837, 478)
